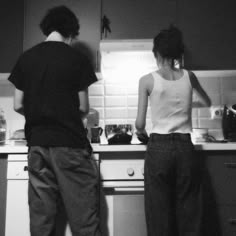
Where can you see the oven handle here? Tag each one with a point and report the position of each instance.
(123, 184)
(129, 189)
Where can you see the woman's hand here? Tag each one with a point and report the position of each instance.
(142, 136)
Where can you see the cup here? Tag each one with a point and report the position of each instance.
(96, 132)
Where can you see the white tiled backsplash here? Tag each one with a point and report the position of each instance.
(116, 102)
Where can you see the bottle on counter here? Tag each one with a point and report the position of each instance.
(92, 120)
(3, 127)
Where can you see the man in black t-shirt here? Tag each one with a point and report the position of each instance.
(51, 90)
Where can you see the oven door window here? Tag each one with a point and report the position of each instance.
(122, 211)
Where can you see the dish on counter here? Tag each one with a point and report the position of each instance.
(119, 133)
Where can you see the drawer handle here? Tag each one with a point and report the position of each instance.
(232, 221)
(230, 165)
(26, 168)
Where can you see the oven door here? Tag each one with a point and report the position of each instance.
(122, 208)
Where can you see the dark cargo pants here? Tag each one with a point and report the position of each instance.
(172, 186)
(63, 175)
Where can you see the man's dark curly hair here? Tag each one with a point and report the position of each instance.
(169, 43)
(62, 20)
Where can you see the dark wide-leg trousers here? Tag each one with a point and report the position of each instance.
(67, 175)
(172, 186)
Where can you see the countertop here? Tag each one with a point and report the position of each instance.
(21, 149)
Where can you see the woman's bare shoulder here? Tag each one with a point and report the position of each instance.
(146, 82)
(146, 78)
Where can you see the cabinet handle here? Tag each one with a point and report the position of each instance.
(26, 168)
(232, 221)
(230, 165)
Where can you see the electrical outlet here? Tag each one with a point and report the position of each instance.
(216, 112)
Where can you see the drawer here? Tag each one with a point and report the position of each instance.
(220, 179)
(220, 221)
(16, 170)
(125, 169)
(17, 157)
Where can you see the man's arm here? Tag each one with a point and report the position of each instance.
(18, 101)
(84, 103)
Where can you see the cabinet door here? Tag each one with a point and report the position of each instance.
(138, 19)
(17, 209)
(3, 185)
(88, 13)
(11, 40)
(17, 213)
(220, 178)
(209, 33)
(220, 221)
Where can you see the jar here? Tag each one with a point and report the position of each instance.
(92, 121)
(3, 128)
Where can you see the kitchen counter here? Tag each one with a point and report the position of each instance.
(220, 162)
(11, 148)
(139, 147)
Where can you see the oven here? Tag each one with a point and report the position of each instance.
(122, 196)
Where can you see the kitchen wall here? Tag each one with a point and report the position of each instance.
(116, 100)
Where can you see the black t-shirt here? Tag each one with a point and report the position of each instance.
(50, 74)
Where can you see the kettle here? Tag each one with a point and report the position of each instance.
(229, 123)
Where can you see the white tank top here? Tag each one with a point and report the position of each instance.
(171, 105)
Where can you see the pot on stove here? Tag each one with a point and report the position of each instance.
(119, 133)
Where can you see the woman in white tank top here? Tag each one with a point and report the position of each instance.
(172, 170)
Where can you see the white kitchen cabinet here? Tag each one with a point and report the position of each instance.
(3, 184)
(17, 214)
(17, 209)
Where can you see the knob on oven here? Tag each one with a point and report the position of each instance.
(130, 171)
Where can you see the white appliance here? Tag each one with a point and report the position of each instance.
(122, 199)
(17, 209)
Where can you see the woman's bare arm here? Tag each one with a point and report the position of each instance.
(203, 98)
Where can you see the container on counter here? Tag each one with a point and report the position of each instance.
(3, 127)
(92, 120)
